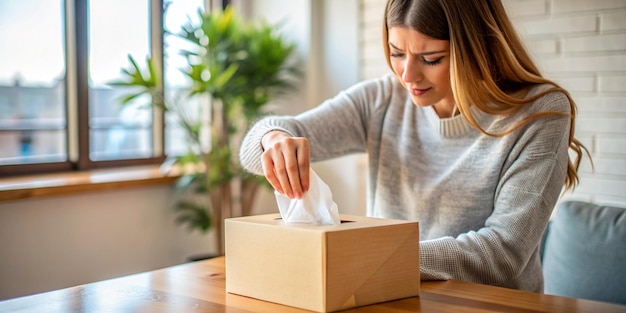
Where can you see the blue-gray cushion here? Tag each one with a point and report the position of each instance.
(585, 252)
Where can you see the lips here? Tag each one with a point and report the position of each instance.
(419, 92)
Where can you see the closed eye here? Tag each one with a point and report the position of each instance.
(433, 62)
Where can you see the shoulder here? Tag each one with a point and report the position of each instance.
(548, 98)
(544, 104)
(548, 127)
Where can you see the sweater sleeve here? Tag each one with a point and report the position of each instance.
(530, 183)
(335, 128)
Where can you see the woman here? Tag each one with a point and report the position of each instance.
(467, 138)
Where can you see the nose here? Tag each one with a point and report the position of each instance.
(412, 71)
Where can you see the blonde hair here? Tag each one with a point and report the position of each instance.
(488, 61)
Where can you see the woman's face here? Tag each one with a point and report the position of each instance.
(423, 64)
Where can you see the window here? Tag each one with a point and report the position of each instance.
(32, 86)
(57, 110)
(117, 132)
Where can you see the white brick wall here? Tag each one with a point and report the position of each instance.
(372, 57)
(548, 25)
(584, 6)
(581, 44)
(613, 21)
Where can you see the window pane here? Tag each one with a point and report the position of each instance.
(119, 143)
(32, 146)
(177, 14)
(32, 83)
(117, 28)
(119, 132)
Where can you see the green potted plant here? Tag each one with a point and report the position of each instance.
(240, 66)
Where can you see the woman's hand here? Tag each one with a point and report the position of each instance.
(286, 163)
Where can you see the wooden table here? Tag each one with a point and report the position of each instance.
(200, 287)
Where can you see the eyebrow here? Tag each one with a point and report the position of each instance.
(421, 53)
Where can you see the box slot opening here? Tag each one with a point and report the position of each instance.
(342, 221)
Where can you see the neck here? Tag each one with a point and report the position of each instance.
(446, 112)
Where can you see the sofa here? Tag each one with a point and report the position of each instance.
(584, 252)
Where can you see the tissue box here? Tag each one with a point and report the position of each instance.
(322, 268)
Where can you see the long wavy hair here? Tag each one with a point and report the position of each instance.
(489, 64)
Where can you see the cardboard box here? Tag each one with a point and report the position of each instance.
(321, 268)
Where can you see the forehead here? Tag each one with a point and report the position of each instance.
(410, 40)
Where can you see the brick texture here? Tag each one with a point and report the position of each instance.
(613, 21)
(560, 25)
(585, 6)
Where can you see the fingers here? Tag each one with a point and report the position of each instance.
(286, 165)
(270, 174)
(304, 157)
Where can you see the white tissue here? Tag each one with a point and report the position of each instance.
(315, 207)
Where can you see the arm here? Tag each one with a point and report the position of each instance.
(331, 129)
(284, 152)
(337, 127)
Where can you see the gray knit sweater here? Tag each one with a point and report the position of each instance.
(482, 202)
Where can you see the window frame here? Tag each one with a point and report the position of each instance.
(81, 18)
(77, 132)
